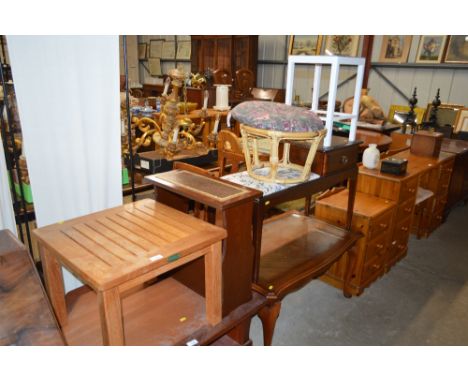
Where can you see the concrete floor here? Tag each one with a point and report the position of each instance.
(423, 300)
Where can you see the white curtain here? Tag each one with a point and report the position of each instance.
(67, 89)
(7, 216)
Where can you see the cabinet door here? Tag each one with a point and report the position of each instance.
(223, 54)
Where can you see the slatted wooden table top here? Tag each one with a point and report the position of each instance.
(108, 248)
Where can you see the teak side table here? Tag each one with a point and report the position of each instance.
(116, 251)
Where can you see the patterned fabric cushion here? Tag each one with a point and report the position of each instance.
(277, 116)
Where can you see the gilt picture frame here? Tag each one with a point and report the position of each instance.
(305, 45)
(457, 50)
(395, 49)
(342, 45)
(461, 125)
(431, 49)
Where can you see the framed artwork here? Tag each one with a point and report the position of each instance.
(155, 66)
(398, 113)
(183, 37)
(395, 49)
(462, 122)
(155, 48)
(305, 45)
(457, 50)
(184, 49)
(431, 49)
(168, 50)
(447, 114)
(142, 51)
(342, 45)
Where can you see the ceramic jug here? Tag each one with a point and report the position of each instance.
(371, 156)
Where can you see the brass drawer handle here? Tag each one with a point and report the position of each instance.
(400, 246)
(407, 209)
(412, 190)
(379, 246)
(375, 266)
(344, 159)
(383, 225)
(404, 229)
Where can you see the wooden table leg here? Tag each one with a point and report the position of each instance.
(268, 315)
(257, 236)
(110, 310)
(213, 284)
(54, 284)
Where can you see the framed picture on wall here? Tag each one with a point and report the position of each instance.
(155, 66)
(142, 51)
(395, 49)
(342, 45)
(457, 50)
(184, 49)
(462, 122)
(168, 50)
(155, 48)
(305, 45)
(431, 49)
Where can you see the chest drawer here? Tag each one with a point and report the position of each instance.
(326, 162)
(408, 189)
(376, 248)
(405, 210)
(380, 224)
(402, 230)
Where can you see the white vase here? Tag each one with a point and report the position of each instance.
(371, 156)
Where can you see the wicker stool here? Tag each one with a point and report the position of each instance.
(277, 123)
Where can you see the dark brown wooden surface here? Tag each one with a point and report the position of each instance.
(297, 248)
(228, 52)
(26, 317)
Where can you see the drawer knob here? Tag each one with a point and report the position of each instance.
(344, 159)
(379, 246)
(400, 246)
(408, 209)
(412, 190)
(375, 266)
(404, 229)
(383, 225)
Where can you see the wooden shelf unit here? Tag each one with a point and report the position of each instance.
(224, 52)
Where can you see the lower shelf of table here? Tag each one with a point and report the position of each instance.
(165, 313)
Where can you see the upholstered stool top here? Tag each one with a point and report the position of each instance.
(277, 116)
